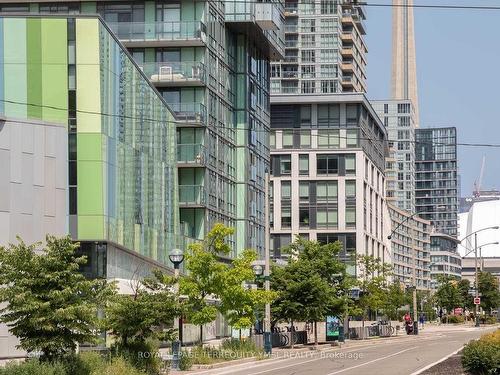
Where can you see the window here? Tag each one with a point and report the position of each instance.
(350, 165)
(304, 216)
(328, 139)
(327, 164)
(305, 139)
(286, 189)
(304, 191)
(272, 140)
(285, 164)
(352, 138)
(329, 86)
(350, 217)
(286, 217)
(303, 165)
(308, 56)
(308, 87)
(287, 139)
(326, 218)
(386, 108)
(352, 114)
(350, 189)
(305, 115)
(326, 191)
(328, 115)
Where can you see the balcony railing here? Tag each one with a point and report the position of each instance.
(158, 31)
(175, 72)
(191, 153)
(192, 194)
(291, 28)
(189, 112)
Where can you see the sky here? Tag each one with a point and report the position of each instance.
(458, 67)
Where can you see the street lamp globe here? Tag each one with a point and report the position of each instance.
(258, 270)
(176, 256)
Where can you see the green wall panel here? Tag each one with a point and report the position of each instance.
(90, 188)
(34, 67)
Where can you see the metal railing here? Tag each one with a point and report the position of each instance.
(191, 153)
(192, 194)
(184, 71)
(189, 112)
(168, 31)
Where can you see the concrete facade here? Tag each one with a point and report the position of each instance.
(410, 247)
(399, 119)
(327, 178)
(404, 58)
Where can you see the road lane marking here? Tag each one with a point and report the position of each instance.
(372, 361)
(437, 362)
(271, 361)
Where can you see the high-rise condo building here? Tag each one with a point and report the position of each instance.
(327, 174)
(210, 62)
(399, 119)
(324, 48)
(445, 258)
(436, 193)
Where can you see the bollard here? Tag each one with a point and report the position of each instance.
(415, 328)
(267, 343)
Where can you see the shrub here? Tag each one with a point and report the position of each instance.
(241, 346)
(143, 355)
(488, 319)
(83, 364)
(453, 319)
(185, 361)
(118, 366)
(480, 357)
(33, 367)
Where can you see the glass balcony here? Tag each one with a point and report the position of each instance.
(185, 73)
(189, 112)
(291, 28)
(191, 154)
(192, 195)
(180, 31)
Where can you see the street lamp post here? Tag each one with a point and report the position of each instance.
(267, 269)
(476, 281)
(176, 256)
(259, 272)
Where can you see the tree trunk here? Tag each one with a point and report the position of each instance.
(363, 328)
(239, 334)
(201, 334)
(315, 334)
(291, 334)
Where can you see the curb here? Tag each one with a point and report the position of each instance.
(437, 362)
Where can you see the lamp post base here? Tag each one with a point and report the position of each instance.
(415, 328)
(268, 348)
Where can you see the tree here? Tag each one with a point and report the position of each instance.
(139, 320)
(51, 306)
(488, 288)
(395, 299)
(205, 276)
(310, 286)
(373, 284)
(448, 295)
(239, 304)
(467, 299)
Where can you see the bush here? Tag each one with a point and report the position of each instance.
(241, 346)
(118, 366)
(83, 364)
(33, 367)
(482, 356)
(453, 319)
(488, 319)
(185, 361)
(143, 355)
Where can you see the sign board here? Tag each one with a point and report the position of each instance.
(477, 301)
(332, 328)
(458, 311)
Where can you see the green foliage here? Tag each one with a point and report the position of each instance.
(488, 288)
(238, 303)
(453, 319)
(33, 367)
(185, 361)
(373, 284)
(395, 299)
(141, 354)
(488, 319)
(117, 366)
(51, 306)
(463, 288)
(205, 275)
(241, 346)
(481, 357)
(312, 285)
(448, 295)
(84, 363)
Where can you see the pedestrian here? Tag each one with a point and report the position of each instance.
(408, 323)
(440, 315)
(421, 319)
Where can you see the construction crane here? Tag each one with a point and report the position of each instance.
(477, 183)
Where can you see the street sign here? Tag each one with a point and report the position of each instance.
(477, 301)
(458, 311)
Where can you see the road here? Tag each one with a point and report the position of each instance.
(403, 355)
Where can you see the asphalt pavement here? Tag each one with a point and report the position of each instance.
(404, 355)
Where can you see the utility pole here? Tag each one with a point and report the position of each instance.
(415, 314)
(267, 316)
